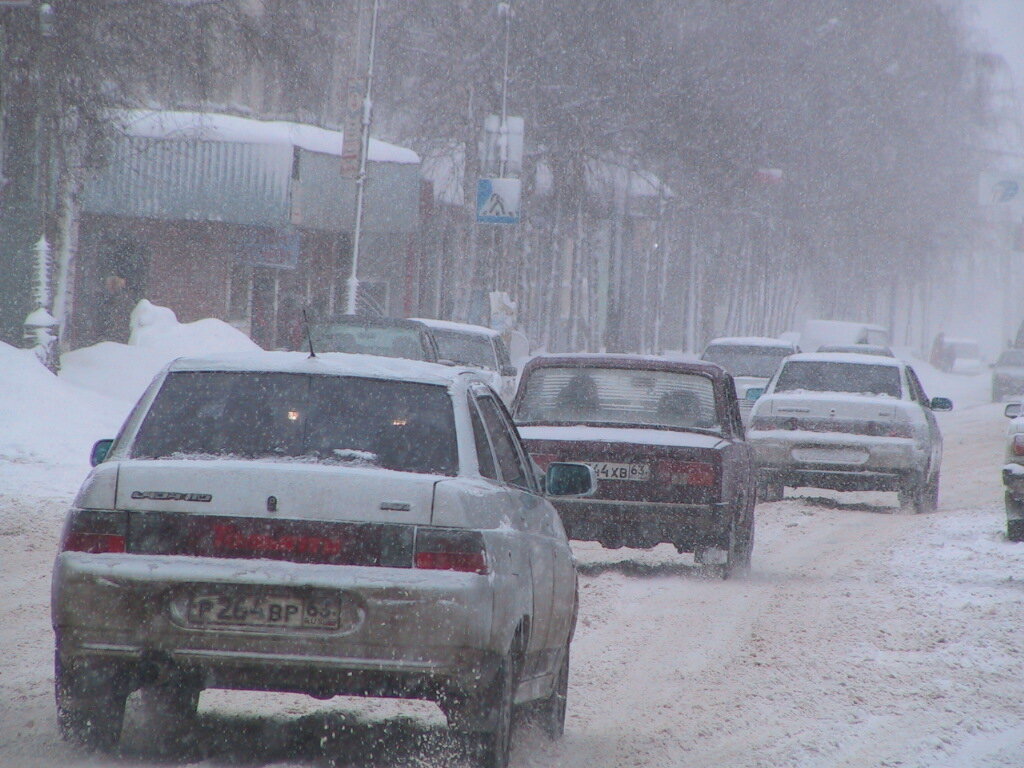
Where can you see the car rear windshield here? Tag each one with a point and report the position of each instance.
(398, 425)
(465, 348)
(822, 376)
(368, 340)
(761, 362)
(632, 397)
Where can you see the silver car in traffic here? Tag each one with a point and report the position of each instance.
(333, 525)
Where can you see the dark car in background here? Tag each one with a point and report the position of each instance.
(664, 438)
(1008, 375)
(367, 335)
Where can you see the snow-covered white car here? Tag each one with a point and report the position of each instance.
(848, 422)
(477, 347)
(1013, 473)
(332, 525)
(752, 360)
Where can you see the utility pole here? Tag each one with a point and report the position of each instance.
(364, 150)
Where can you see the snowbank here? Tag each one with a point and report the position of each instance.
(124, 370)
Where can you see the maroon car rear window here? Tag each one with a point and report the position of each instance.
(594, 395)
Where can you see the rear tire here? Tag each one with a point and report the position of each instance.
(1014, 519)
(496, 740)
(768, 492)
(169, 709)
(552, 709)
(90, 705)
(918, 495)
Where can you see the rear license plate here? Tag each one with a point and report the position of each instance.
(606, 470)
(249, 610)
(831, 455)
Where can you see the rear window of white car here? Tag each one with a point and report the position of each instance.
(827, 376)
(398, 425)
(747, 360)
(465, 348)
(614, 396)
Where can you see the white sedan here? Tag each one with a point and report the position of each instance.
(333, 525)
(848, 422)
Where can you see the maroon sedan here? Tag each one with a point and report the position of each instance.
(665, 440)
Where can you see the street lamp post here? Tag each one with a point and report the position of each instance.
(364, 151)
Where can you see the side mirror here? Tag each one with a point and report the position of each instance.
(508, 370)
(941, 404)
(100, 449)
(753, 393)
(565, 479)
(1012, 410)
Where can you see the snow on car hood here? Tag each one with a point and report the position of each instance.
(636, 436)
(299, 490)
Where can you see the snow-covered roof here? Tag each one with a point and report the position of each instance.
(330, 363)
(845, 357)
(751, 341)
(450, 325)
(213, 126)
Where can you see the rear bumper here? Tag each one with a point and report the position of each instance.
(644, 524)
(801, 459)
(408, 633)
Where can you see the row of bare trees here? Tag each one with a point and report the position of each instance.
(737, 162)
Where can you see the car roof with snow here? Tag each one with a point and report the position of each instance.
(751, 341)
(844, 357)
(330, 364)
(451, 325)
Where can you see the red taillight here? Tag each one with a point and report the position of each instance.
(96, 532)
(691, 473)
(900, 430)
(93, 543)
(1018, 445)
(441, 549)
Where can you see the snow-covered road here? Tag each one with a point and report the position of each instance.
(862, 638)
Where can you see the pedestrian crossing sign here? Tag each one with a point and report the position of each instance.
(497, 201)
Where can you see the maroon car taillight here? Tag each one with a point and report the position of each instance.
(1018, 445)
(96, 532)
(688, 473)
(442, 549)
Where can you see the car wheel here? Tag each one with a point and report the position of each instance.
(768, 492)
(733, 564)
(90, 705)
(496, 741)
(1014, 519)
(918, 495)
(552, 709)
(169, 709)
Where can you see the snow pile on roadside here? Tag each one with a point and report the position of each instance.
(125, 370)
(45, 419)
(964, 390)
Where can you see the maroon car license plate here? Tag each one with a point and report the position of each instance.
(252, 610)
(607, 470)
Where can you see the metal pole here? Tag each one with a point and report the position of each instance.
(364, 147)
(504, 9)
(691, 291)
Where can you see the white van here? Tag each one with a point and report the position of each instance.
(820, 332)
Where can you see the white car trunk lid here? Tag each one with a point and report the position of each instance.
(834, 405)
(276, 490)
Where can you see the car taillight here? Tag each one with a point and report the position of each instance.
(900, 430)
(1018, 445)
(442, 549)
(94, 531)
(693, 473)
